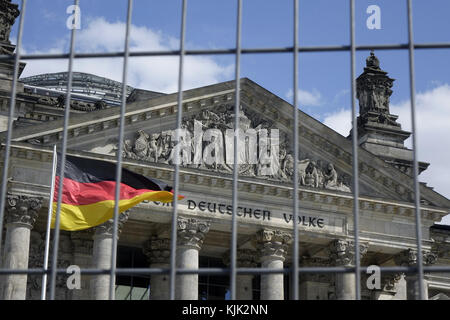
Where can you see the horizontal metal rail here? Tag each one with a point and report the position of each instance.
(226, 271)
(119, 54)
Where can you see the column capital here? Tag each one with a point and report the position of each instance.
(157, 250)
(22, 210)
(107, 229)
(389, 280)
(191, 232)
(272, 244)
(409, 257)
(246, 258)
(342, 252)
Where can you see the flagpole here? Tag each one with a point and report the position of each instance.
(49, 221)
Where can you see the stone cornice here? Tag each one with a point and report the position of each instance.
(335, 200)
(84, 124)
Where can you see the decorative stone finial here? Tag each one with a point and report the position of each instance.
(372, 61)
(373, 90)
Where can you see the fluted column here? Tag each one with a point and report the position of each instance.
(82, 245)
(158, 252)
(342, 253)
(409, 258)
(101, 256)
(272, 246)
(246, 258)
(21, 214)
(190, 235)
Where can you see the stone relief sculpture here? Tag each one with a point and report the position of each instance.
(160, 148)
(373, 90)
(8, 14)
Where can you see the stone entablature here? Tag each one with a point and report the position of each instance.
(309, 197)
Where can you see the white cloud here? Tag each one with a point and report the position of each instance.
(152, 73)
(433, 127)
(307, 98)
(340, 121)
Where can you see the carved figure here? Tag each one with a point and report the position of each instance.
(331, 178)
(160, 148)
(311, 176)
(141, 145)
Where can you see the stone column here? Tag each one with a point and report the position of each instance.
(272, 246)
(409, 258)
(82, 256)
(101, 256)
(342, 253)
(246, 258)
(158, 252)
(190, 236)
(21, 214)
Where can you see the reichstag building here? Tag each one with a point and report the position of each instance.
(325, 221)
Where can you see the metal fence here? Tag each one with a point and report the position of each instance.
(294, 271)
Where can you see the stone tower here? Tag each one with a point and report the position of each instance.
(378, 129)
(8, 14)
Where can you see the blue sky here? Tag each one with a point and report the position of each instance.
(324, 77)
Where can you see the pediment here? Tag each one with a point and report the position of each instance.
(324, 155)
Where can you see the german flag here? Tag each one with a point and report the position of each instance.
(88, 196)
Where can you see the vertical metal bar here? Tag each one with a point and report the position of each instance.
(173, 244)
(12, 105)
(233, 249)
(49, 222)
(355, 154)
(295, 247)
(112, 275)
(412, 86)
(62, 165)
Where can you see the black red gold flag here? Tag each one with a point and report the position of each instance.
(88, 197)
